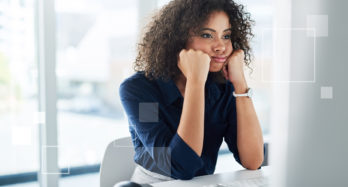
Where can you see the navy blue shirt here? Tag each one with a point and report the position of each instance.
(154, 107)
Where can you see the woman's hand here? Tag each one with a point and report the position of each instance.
(194, 65)
(233, 70)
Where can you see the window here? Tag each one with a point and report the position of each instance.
(18, 88)
(95, 50)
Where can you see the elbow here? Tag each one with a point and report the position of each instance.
(183, 175)
(253, 164)
(251, 167)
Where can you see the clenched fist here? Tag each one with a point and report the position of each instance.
(194, 64)
(233, 69)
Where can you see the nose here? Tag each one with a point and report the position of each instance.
(219, 46)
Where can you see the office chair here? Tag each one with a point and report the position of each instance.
(118, 164)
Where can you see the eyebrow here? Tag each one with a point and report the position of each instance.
(229, 29)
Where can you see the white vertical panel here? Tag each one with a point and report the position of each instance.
(46, 48)
(280, 91)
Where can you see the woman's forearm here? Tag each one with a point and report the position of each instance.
(191, 127)
(249, 133)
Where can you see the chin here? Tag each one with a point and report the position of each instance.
(215, 68)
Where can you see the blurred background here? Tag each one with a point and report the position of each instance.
(95, 47)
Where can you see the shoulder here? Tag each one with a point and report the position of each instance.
(137, 86)
(137, 79)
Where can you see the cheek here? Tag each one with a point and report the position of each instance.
(229, 49)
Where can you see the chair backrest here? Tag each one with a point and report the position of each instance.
(118, 164)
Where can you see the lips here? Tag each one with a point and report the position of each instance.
(219, 59)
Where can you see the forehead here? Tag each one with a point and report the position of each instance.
(217, 20)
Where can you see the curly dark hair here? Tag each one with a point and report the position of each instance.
(169, 30)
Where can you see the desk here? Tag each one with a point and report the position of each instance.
(223, 178)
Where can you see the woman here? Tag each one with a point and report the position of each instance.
(181, 103)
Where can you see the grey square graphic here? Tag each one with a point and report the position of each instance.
(326, 93)
(148, 112)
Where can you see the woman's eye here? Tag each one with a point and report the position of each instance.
(227, 37)
(205, 35)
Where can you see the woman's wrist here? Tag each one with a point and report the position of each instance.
(195, 84)
(240, 87)
(196, 81)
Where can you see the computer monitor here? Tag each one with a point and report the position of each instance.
(309, 143)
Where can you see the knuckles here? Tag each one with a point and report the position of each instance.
(182, 52)
(191, 53)
(238, 54)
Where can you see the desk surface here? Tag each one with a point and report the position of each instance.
(223, 178)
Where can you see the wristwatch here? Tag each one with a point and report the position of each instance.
(248, 94)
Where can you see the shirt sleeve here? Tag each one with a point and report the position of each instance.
(231, 133)
(166, 148)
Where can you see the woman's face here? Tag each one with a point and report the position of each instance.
(214, 39)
